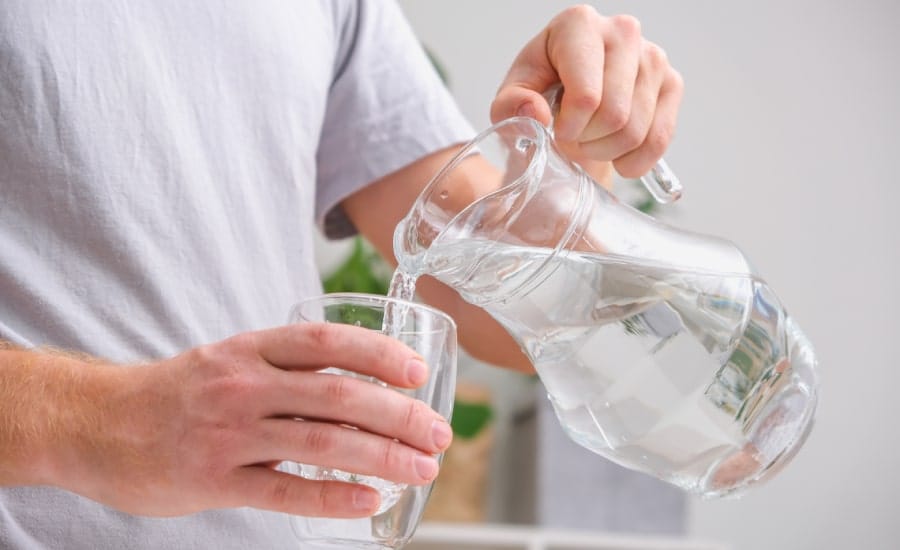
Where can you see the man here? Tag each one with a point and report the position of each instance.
(161, 166)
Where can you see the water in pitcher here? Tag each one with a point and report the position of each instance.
(685, 375)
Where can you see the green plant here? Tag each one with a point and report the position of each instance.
(364, 271)
(470, 418)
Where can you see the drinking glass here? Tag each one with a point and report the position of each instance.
(432, 334)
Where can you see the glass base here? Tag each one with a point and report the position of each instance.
(773, 442)
(313, 544)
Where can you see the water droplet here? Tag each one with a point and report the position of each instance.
(444, 194)
(523, 144)
(535, 349)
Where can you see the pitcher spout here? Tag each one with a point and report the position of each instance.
(453, 206)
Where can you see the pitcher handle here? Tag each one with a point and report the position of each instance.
(660, 181)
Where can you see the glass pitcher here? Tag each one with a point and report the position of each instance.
(660, 349)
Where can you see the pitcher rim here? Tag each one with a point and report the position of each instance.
(542, 143)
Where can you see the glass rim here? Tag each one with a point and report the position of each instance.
(380, 300)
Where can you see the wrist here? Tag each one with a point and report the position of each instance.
(104, 435)
(56, 406)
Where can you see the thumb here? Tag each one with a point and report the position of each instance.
(517, 100)
(530, 74)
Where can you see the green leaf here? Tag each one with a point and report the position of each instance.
(470, 418)
(358, 273)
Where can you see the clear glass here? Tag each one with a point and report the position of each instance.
(433, 335)
(660, 349)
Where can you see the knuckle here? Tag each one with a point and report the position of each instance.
(614, 115)
(331, 501)
(587, 99)
(655, 57)
(241, 342)
(323, 498)
(226, 357)
(631, 137)
(340, 391)
(234, 388)
(320, 440)
(584, 12)
(412, 414)
(658, 139)
(628, 25)
(324, 335)
(205, 357)
(389, 456)
(281, 492)
(224, 388)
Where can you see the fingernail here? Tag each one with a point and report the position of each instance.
(416, 371)
(366, 499)
(441, 434)
(426, 467)
(526, 109)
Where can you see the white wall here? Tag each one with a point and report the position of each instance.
(787, 145)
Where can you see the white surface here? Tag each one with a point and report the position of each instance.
(786, 145)
(438, 536)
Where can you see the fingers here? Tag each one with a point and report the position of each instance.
(370, 407)
(597, 101)
(261, 487)
(635, 131)
(612, 136)
(621, 94)
(640, 160)
(344, 448)
(313, 346)
(568, 50)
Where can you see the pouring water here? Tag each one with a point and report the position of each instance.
(660, 349)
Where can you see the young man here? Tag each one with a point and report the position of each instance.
(162, 165)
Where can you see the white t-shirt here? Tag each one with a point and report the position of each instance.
(162, 167)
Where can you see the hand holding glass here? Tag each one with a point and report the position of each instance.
(432, 334)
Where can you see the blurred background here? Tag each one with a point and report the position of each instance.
(787, 145)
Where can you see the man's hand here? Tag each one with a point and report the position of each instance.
(207, 428)
(621, 94)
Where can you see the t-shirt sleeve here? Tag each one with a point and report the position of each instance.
(387, 107)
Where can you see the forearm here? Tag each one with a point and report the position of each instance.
(52, 408)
